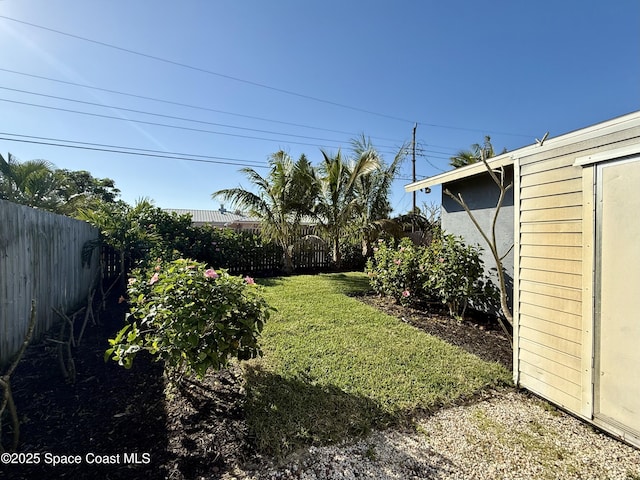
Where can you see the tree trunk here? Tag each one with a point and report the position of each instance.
(287, 260)
(337, 257)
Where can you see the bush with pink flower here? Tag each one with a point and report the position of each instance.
(394, 271)
(191, 317)
(446, 271)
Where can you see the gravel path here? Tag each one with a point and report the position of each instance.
(508, 435)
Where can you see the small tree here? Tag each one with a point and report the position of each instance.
(499, 179)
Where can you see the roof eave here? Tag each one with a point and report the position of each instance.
(460, 173)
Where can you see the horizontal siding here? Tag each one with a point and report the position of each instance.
(547, 251)
(557, 374)
(555, 188)
(552, 278)
(558, 291)
(561, 174)
(569, 361)
(572, 199)
(551, 265)
(550, 288)
(551, 214)
(568, 400)
(558, 324)
(557, 343)
(574, 226)
(561, 305)
(573, 239)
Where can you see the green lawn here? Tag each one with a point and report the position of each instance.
(335, 367)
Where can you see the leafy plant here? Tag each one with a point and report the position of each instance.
(447, 270)
(191, 317)
(455, 274)
(397, 272)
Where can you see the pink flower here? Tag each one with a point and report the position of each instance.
(211, 273)
(441, 260)
(157, 268)
(132, 281)
(397, 261)
(406, 293)
(249, 280)
(154, 279)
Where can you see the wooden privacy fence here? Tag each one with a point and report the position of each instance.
(309, 254)
(41, 259)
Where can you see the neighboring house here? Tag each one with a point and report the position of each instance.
(576, 266)
(220, 218)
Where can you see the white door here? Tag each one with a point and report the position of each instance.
(617, 360)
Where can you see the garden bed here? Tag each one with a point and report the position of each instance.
(201, 432)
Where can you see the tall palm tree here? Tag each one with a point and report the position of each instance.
(372, 195)
(280, 201)
(337, 201)
(474, 155)
(31, 183)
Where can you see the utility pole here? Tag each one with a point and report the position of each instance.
(413, 176)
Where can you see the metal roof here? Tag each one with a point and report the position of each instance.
(215, 217)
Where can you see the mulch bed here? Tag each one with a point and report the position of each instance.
(109, 414)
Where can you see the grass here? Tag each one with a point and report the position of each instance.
(334, 367)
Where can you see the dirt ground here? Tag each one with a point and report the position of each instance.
(114, 423)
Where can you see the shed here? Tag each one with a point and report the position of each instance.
(576, 269)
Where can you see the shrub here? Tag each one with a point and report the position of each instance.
(396, 271)
(447, 271)
(191, 317)
(455, 274)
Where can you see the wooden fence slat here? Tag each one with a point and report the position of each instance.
(41, 258)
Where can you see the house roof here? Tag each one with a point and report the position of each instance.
(462, 172)
(214, 216)
(510, 157)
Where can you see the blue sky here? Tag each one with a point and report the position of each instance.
(243, 79)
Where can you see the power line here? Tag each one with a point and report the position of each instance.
(250, 82)
(257, 84)
(186, 105)
(129, 150)
(178, 127)
(204, 70)
(172, 117)
(157, 124)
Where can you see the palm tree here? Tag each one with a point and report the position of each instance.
(280, 202)
(372, 195)
(31, 183)
(337, 202)
(467, 157)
